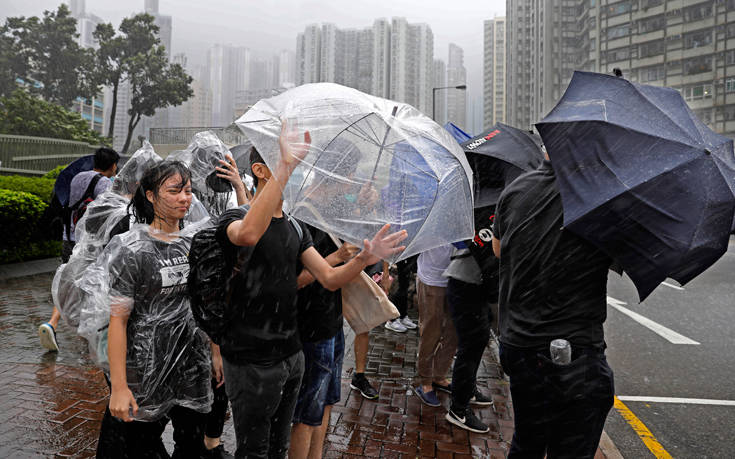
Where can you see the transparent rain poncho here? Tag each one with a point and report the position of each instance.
(371, 161)
(168, 360)
(202, 156)
(106, 216)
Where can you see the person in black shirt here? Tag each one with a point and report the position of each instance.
(263, 361)
(553, 285)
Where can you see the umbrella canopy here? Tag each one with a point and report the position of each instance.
(497, 157)
(641, 177)
(458, 134)
(371, 161)
(63, 181)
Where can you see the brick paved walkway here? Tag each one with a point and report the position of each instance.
(51, 405)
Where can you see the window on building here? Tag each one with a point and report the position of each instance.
(698, 92)
(618, 31)
(618, 54)
(652, 24)
(704, 115)
(730, 30)
(652, 48)
(730, 85)
(697, 12)
(730, 57)
(699, 64)
(617, 8)
(728, 112)
(697, 39)
(654, 73)
(650, 3)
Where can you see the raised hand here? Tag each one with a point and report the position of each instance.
(293, 148)
(383, 245)
(228, 171)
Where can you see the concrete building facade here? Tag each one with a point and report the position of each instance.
(456, 98)
(494, 72)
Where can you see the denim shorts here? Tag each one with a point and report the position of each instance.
(321, 384)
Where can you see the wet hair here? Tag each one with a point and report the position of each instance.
(254, 159)
(152, 180)
(104, 158)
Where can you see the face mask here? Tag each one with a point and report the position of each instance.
(350, 197)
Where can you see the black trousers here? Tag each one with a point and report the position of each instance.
(263, 399)
(138, 439)
(400, 295)
(215, 419)
(559, 410)
(471, 316)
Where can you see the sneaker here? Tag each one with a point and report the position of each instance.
(479, 399)
(468, 421)
(440, 387)
(360, 383)
(217, 453)
(408, 323)
(429, 398)
(396, 326)
(47, 334)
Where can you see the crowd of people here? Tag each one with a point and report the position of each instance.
(279, 361)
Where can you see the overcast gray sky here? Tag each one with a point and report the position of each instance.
(266, 26)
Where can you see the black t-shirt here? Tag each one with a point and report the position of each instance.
(263, 302)
(320, 311)
(553, 283)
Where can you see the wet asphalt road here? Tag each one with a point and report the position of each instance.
(648, 365)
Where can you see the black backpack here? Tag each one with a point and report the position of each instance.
(210, 277)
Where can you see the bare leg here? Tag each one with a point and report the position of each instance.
(211, 443)
(55, 316)
(362, 342)
(301, 441)
(318, 434)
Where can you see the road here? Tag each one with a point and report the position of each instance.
(663, 359)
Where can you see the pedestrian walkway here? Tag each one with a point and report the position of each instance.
(51, 405)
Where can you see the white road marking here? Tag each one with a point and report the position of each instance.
(687, 401)
(657, 328)
(675, 287)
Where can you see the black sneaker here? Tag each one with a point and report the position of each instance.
(440, 387)
(361, 383)
(217, 453)
(467, 421)
(479, 399)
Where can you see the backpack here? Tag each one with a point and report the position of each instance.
(75, 212)
(210, 277)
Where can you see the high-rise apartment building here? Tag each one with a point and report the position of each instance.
(411, 63)
(687, 45)
(93, 111)
(381, 58)
(286, 68)
(229, 72)
(494, 72)
(440, 97)
(308, 55)
(456, 98)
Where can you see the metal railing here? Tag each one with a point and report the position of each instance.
(37, 155)
(230, 135)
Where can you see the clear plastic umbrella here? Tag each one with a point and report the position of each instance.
(371, 161)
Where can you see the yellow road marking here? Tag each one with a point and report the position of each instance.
(646, 436)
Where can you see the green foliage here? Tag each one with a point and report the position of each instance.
(31, 251)
(45, 51)
(54, 173)
(154, 84)
(38, 186)
(23, 114)
(19, 214)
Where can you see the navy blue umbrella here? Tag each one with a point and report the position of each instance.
(458, 134)
(497, 157)
(63, 181)
(641, 177)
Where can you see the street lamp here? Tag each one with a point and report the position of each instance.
(433, 97)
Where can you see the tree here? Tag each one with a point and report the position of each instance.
(138, 35)
(44, 53)
(24, 114)
(154, 84)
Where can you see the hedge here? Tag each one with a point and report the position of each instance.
(54, 173)
(19, 215)
(31, 251)
(41, 187)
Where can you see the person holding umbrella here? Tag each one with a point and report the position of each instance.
(263, 361)
(553, 285)
(84, 185)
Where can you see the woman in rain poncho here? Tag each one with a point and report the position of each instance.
(159, 361)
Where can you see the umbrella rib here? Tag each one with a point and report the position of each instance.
(701, 139)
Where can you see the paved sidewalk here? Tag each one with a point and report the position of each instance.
(51, 405)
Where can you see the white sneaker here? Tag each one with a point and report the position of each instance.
(408, 323)
(396, 326)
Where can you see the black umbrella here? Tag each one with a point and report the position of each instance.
(641, 177)
(63, 181)
(497, 157)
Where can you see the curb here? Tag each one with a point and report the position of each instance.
(608, 448)
(29, 268)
